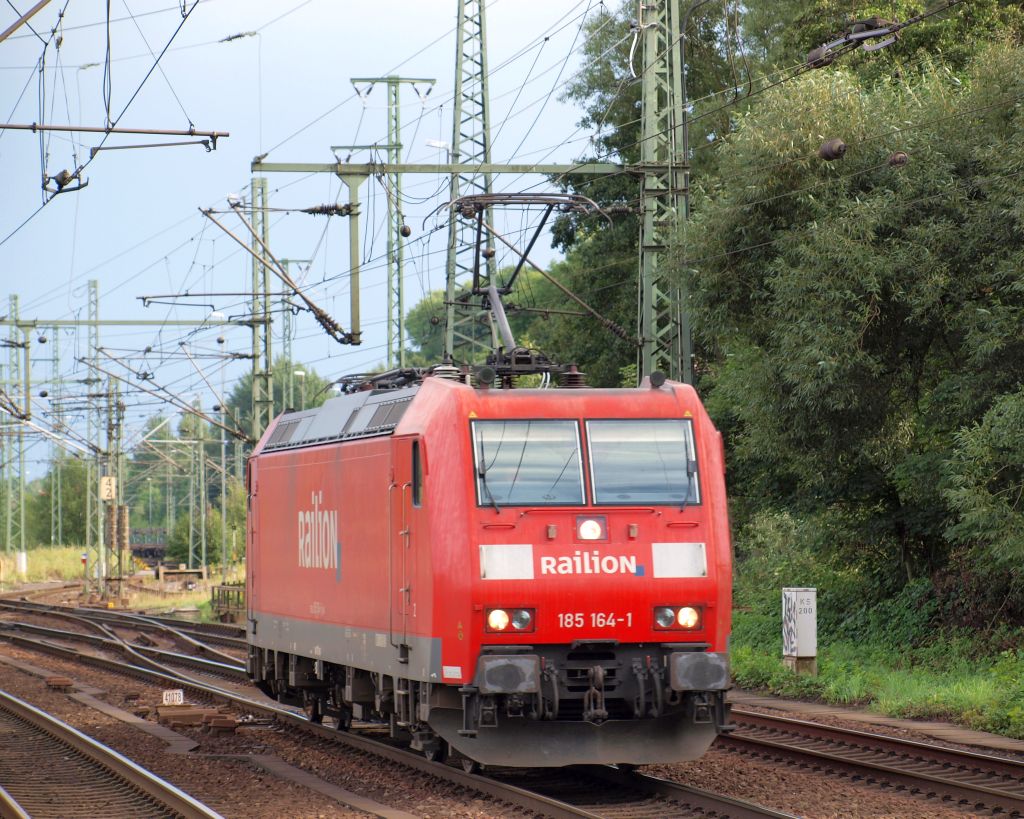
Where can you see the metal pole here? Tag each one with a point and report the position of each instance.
(262, 361)
(192, 507)
(223, 492)
(203, 500)
(13, 377)
(56, 476)
(287, 332)
(93, 508)
(396, 222)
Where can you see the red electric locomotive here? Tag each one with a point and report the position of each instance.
(526, 577)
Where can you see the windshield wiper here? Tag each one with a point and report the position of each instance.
(691, 472)
(481, 471)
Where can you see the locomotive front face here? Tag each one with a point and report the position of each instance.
(599, 557)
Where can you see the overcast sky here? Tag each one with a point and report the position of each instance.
(284, 91)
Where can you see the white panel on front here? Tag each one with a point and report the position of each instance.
(506, 561)
(679, 559)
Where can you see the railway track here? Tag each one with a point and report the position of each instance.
(969, 779)
(49, 769)
(164, 659)
(202, 635)
(611, 793)
(574, 792)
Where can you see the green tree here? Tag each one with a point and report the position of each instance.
(780, 33)
(315, 387)
(986, 486)
(859, 313)
(601, 258)
(73, 477)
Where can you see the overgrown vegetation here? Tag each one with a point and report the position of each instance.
(904, 655)
(48, 563)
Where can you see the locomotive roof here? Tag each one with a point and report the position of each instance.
(360, 415)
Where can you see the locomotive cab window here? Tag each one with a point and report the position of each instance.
(643, 461)
(527, 463)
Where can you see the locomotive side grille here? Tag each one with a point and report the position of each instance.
(388, 415)
(396, 411)
(357, 421)
(283, 433)
(360, 415)
(380, 416)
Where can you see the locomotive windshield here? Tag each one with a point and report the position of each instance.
(643, 461)
(527, 463)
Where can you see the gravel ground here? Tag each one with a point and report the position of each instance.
(240, 790)
(793, 790)
(236, 789)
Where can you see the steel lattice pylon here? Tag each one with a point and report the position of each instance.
(663, 320)
(96, 562)
(56, 455)
(471, 144)
(262, 378)
(16, 378)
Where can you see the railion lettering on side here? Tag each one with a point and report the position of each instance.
(318, 535)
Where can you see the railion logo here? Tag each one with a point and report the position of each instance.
(319, 546)
(594, 562)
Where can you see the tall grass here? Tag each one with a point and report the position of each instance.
(983, 692)
(44, 563)
(887, 649)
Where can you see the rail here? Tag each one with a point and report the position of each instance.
(491, 785)
(63, 759)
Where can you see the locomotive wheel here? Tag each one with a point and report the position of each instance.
(313, 708)
(438, 752)
(344, 721)
(470, 766)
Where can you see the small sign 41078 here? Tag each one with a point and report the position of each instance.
(174, 696)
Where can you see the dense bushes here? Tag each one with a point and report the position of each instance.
(905, 653)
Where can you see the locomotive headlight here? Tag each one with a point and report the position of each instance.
(688, 617)
(497, 620)
(664, 617)
(522, 619)
(591, 528)
(510, 620)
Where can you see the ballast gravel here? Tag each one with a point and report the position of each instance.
(239, 790)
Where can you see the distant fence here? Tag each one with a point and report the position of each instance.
(228, 603)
